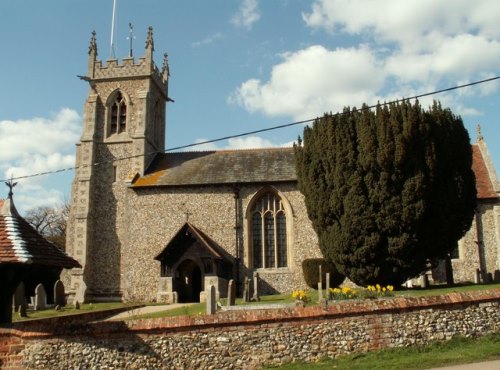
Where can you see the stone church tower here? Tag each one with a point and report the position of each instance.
(124, 117)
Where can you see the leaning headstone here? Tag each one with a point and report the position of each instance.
(59, 294)
(256, 297)
(246, 290)
(211, 301)
(231, 293)
(19, 296)
(327, 293)
(40, 298)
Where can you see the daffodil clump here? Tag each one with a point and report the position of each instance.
(343, 293)
(371, 291)
(376, 291)
(300, 295)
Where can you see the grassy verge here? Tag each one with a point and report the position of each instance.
(453, 352)
(68, 310)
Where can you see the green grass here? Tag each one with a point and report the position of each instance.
(68, 310)
(452, 352)
(200, 308)
(439, 290)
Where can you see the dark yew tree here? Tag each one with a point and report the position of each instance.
(387, 190)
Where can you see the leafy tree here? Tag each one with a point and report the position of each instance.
(388, 190)
(50, 222)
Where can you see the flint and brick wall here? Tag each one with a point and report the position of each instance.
(252, 338)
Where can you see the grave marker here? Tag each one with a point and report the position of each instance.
(231, 293)
(40, 298)
(59, 294)
(211, 302)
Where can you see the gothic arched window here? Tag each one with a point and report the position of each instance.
(268, 232)
(118, 116)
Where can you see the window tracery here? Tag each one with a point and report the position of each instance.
(268, 232)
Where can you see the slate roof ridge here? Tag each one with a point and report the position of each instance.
(216, 151)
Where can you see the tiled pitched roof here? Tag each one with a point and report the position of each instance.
(21, 244)
(254, 166)
(484, 185)
(220, 167)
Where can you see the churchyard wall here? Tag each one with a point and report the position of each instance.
(251, 338)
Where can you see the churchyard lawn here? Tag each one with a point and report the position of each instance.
(200, 308)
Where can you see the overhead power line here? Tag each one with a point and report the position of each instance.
(251, 132)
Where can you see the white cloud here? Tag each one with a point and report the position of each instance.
(210, 39)
(23, 138)
(247, 15)
(35, 146)
(313, 81)
(409, 47)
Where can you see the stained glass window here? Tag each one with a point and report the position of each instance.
(269, 238)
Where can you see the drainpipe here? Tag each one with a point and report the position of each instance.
(480, 247)
(237, 227)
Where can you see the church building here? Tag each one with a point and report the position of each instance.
(148, 225)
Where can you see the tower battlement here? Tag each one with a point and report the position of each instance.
(128, 67)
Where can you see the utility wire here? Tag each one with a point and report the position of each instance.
(251, 132)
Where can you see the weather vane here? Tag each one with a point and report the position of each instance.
(10, 184)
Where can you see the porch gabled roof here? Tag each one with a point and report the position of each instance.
(188, 230)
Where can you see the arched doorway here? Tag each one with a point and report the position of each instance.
(188, 283)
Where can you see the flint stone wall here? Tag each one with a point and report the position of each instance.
(250, 339)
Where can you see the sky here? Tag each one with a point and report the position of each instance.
(237, 66)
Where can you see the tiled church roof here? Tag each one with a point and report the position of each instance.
(254, 166)
(220, 167)
(20, 243)
(484, 185)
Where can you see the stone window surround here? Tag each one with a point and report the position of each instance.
(122, 136)
(247, 232)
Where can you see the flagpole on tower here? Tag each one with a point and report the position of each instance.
(113, 54)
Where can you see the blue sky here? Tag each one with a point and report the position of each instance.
(238, 66)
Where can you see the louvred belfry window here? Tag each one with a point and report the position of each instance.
(269, 241)
(118, 114)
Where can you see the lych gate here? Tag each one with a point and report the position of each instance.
(189, 263)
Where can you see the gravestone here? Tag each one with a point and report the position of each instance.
(256, 297)
(19, 296)
(23, 308)
(40, 298)
(246, 290)
(211, 301)
(77, 305)
(477, 277)
(320, 275)
(59, 294)
(327, 293)
(80, 292)
(231, 293)
(424, 281)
